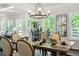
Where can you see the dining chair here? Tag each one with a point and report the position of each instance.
(55, 36)
(6, 46)
(44, 36)
(25, 38)
(24, 48)
(15, 37)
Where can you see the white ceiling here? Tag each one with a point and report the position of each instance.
(21, 8)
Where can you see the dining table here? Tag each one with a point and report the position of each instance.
(75, 46)
(51, 48)
(47, 46)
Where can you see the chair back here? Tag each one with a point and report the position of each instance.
(15, 37)
(24, 48)
(44, 36)
(6, 45)
(25, 38)
(55, 36)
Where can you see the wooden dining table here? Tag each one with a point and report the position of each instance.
(75, 46)
(48, 47)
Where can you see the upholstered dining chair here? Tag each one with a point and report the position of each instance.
(15, 37)
(24, 48)
(44, 36)
(55, 39)
(7, 48)
(55, 36)
(25, 38)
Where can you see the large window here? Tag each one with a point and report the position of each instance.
(10, 25)
(3, 24)
(19, 26)
(49, 23)
(75, 25)
(45, 23)
(30, 23)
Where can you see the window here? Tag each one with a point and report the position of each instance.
(49, 23)
(45, 24)
(19, 26)
(3, 24)
(10, 25)
(30, 25)
(75, 25)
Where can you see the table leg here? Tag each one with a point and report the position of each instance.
(44, 53)
(1, 49)
(54, 53)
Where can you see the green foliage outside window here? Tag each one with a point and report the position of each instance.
(51, 23)
(30, 23)
(46, 24)
(75, 20)
(75, 25)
